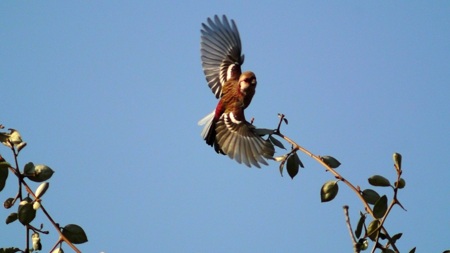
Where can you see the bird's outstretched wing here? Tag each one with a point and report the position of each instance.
(237, 139)
(220, 52)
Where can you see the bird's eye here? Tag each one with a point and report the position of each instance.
(251, 81)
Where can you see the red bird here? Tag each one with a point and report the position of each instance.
(226, 128)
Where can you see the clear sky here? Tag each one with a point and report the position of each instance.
(108, 94)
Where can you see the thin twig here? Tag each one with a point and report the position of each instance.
(28, 189)
(51, 219)
(339, 177)
(350, 230)
(391, 205)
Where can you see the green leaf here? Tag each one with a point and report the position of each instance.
(26, 212)
(40, 174)
(299, 161)
(276, 142)
(378, 180)
(397, 160)
(400, 184)
(20, 146)
(4, 170)
(396, 237)
(388, 251)
(370, 196)
(11, 218)
(360, 225)
(373, 229)
(362, 244)
(4, 139)
(28, 169)
(330, 161)
(74, 233)
(292, 165)
(413, 250)
(329, 191)
(14, 137)
(8, 203)
(380, 207)
(263, 131)
(282, 160)
(9, 250)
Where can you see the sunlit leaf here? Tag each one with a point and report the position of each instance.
(36, 205)
(400, 184)
(41, 173)
(280, 158)
(329, 191)
(283, 161)
(41, 189)
(373, 229)
(397, 160)
(20, 146)
(363, 244)
(14, 137)
(35, 238)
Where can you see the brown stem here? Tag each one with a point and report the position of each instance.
(393, 203)
(27, 237)
(328, 168)
(17, 171)
(51, 219)
(350, 230)
(340, 177)
(28, 189)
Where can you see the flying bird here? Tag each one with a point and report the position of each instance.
(226, 128)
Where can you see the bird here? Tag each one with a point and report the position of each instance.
(226, 128)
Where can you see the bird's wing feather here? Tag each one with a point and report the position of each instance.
(237, 139)
(220, 50)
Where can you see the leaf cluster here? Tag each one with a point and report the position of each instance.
(370, 225)
(31, 203)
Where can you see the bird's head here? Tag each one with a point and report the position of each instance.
(247, 82)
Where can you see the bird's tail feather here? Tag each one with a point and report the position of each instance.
(207, 121)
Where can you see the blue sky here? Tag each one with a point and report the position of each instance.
(108, 94)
